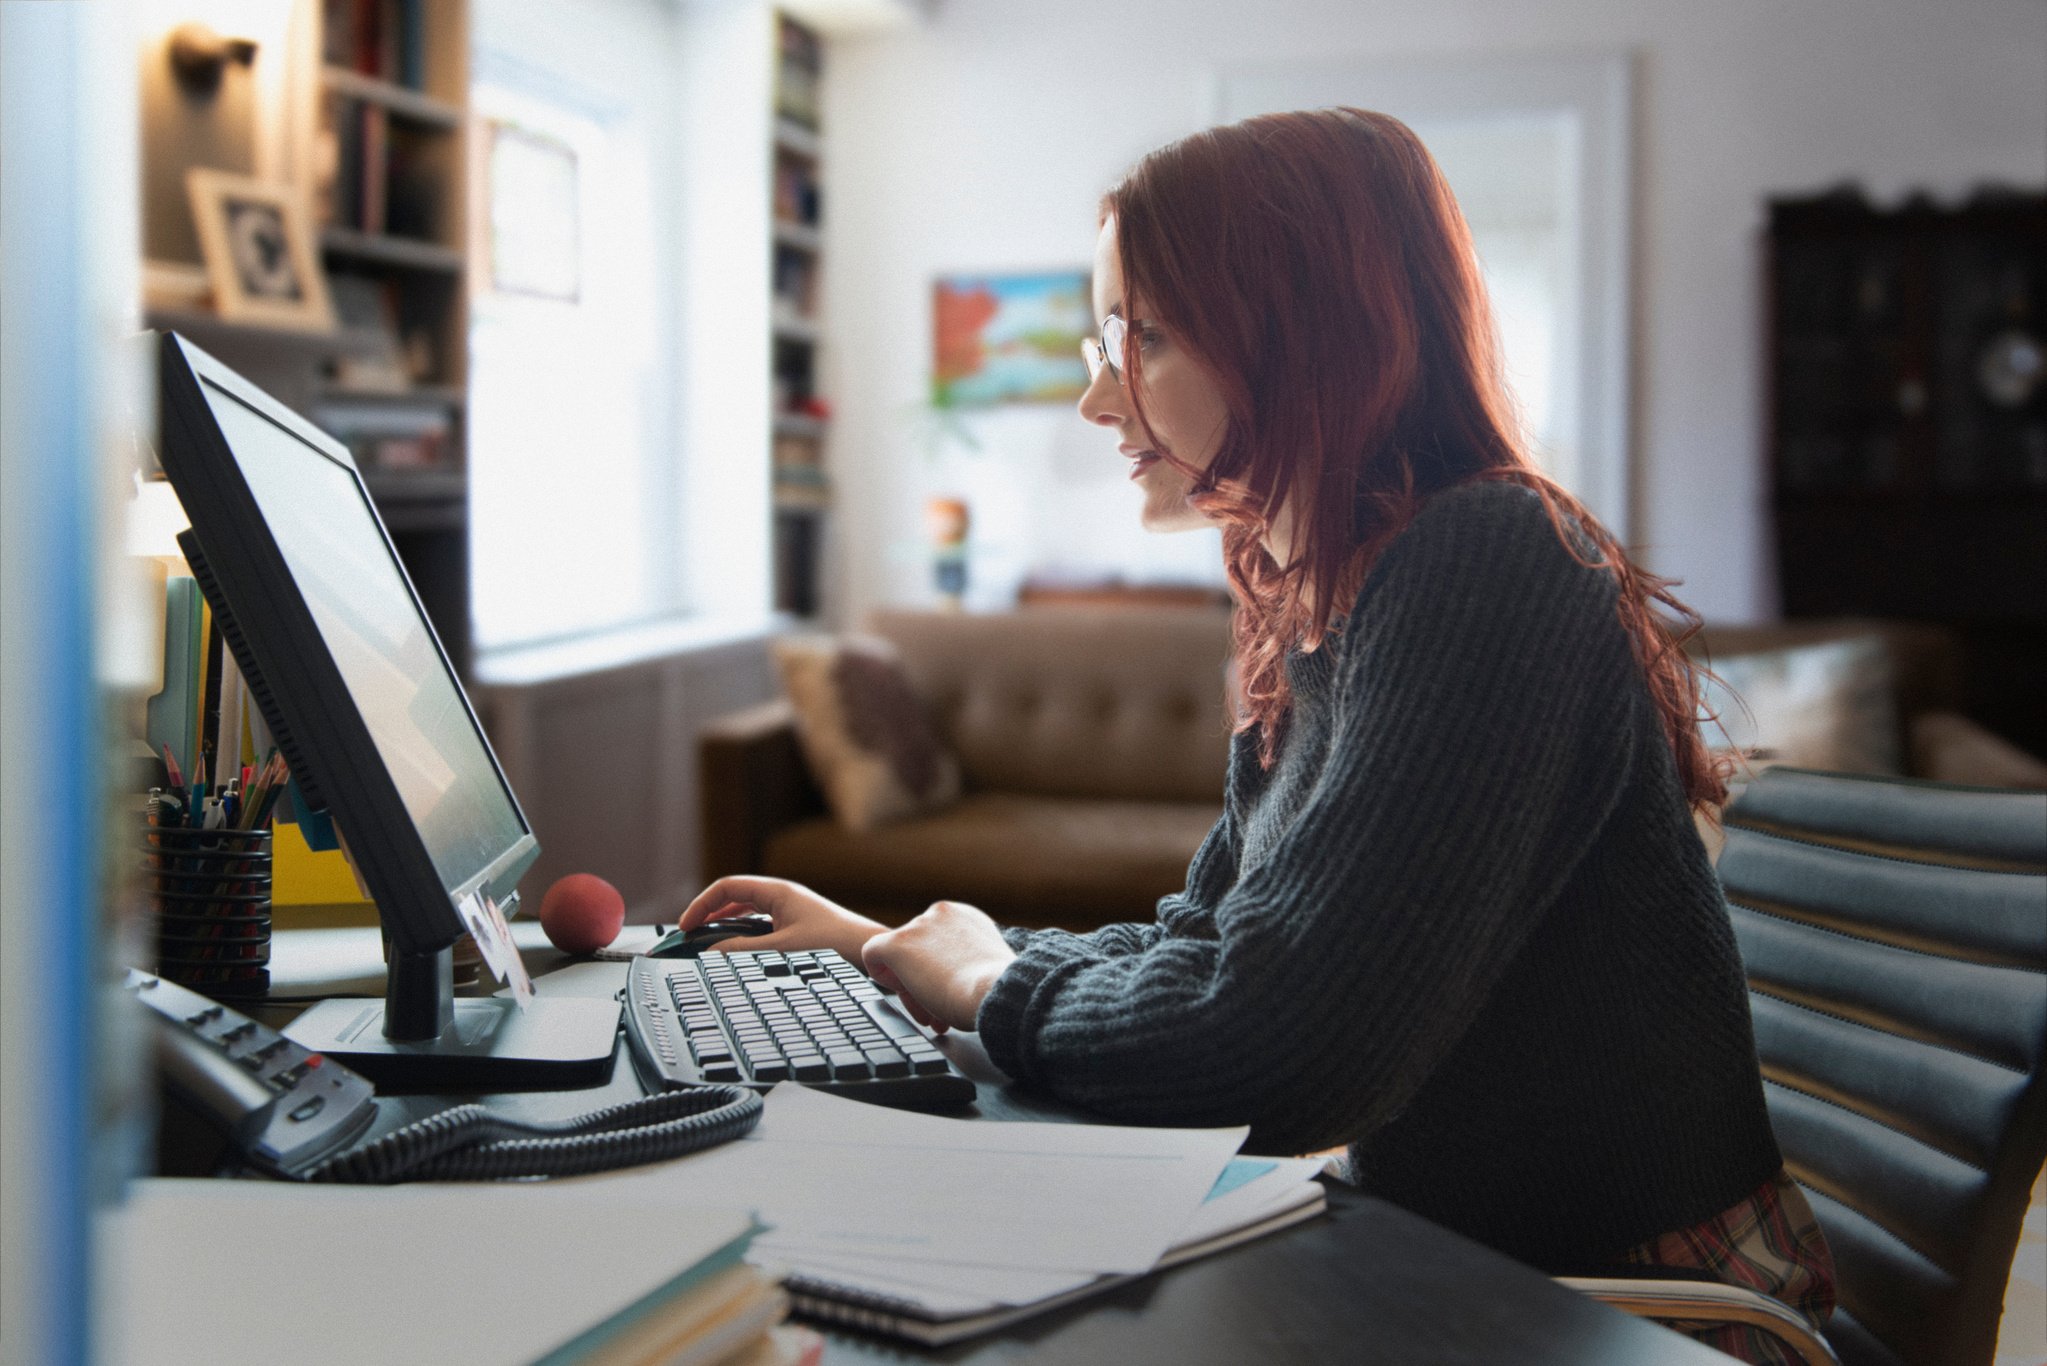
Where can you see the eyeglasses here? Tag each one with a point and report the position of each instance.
(1106, 351)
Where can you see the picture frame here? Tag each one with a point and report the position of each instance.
(534, 218)
(261, 256)
(1012, 338)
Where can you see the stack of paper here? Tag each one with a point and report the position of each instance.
(936, 1229)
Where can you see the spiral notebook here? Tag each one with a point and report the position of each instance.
(935, 1303)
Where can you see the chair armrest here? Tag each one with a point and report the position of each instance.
(1707, 1302)
(754, 783)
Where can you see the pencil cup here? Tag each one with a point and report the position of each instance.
(209, 893)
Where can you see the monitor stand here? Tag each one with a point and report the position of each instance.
(420, 1038)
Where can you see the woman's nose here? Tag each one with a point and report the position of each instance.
(1101, 402)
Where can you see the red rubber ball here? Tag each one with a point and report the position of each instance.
(582, 913)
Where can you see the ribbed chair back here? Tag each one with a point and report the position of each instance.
(1895, 938)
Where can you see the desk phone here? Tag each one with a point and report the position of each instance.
(292, 1113)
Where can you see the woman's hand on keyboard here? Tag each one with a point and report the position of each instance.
(941, 964)
(803, 919)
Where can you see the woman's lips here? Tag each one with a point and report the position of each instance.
(1140, 461)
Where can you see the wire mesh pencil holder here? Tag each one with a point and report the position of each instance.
(209, 900)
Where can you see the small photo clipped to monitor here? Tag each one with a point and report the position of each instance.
(313, 600)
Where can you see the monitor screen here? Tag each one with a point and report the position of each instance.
(309, 593)
(364, 608)
(352, 680)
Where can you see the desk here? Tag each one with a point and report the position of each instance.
(1368, 1282)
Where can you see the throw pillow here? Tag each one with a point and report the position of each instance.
(1828, 705)
(864, 731)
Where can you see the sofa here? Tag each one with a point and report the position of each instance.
(1855, 695)
(1093, 743)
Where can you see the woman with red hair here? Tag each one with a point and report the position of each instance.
(1456, 914)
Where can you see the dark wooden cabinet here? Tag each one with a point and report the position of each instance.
(1907, 406)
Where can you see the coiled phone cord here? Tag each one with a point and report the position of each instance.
(471, 1143)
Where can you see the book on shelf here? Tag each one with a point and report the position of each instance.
(800, 60)
(381, 39)
(794, 450)
(351, 164)
(797, 198)
(393, 435)
(373, 171)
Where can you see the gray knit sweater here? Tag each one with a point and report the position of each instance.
(1464, 923)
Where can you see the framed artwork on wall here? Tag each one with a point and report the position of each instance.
(1009, 338)
(261, 258)
(535, 205)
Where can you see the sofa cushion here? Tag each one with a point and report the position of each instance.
(1110, 702)
(865, 733)
(1025, 860)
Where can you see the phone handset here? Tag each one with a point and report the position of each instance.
(296, 1114)
(287, 1110)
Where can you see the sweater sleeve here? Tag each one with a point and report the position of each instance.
(1480, 736)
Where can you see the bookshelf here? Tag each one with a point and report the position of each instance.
(800, 418)
(1908, 426)
(366, 119)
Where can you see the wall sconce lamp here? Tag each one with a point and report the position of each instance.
(199, 56)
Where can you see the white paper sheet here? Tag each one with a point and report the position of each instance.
(841, 1178)
(948, 1289)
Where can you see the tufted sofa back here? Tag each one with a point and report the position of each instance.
(1113, 702)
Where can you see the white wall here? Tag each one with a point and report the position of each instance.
(981, 142)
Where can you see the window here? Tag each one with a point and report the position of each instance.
(574, 466)
(1536, 149)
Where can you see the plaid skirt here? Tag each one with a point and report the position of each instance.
(1770, 1243)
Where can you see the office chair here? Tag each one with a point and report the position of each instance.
(1895, 939)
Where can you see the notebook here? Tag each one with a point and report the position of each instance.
(935, 1303)
(254, 1273)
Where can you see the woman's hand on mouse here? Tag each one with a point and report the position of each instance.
(942, 964)
(803, 919)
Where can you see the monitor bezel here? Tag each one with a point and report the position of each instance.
(330, 746)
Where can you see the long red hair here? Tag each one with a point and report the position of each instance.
(1318, 267)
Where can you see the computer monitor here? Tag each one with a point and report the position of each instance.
(366, 708)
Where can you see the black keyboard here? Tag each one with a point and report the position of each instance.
(759, 1018)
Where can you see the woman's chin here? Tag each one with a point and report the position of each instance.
(1181, 516)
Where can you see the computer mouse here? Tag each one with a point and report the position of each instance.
(690, 943)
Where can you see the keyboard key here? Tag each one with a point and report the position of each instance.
(723, 1071)
(847, 1065)
(777, 1070)
(809, 1067)
(890, 1020)
(928, 1065)
(888, 1063)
